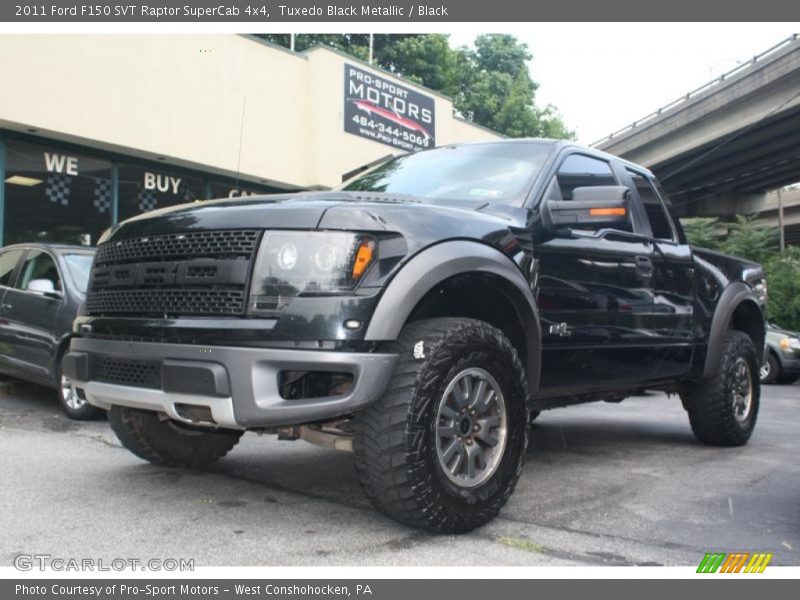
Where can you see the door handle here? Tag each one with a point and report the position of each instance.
(5, 307)
(644, 268)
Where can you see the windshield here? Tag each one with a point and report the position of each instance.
(79, 266)
(494, 172)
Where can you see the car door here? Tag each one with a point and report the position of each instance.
(9, 261)
(673, 281)
(31, 313)
(594, 292)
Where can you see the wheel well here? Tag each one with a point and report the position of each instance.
(477, 296)
(749, 319)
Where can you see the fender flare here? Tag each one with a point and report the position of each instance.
(733, 295)
(437, 263)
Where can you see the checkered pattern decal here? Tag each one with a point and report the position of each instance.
(56, 188)
(102, 195)
(147, 200)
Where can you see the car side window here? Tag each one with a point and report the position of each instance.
(8, 260)
(653, 208)
(579, 170)
(39, 265)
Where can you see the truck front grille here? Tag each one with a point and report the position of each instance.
(201, 273)
(229, 243)
(160, 302)
(135, 373)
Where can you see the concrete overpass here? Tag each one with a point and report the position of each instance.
(721, 147)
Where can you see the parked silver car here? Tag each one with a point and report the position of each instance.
(782, 364)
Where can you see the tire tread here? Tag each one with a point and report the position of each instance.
(153, 440)
(387, 443)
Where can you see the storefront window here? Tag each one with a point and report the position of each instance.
(142, 189)
(55, 195)
(220, 189)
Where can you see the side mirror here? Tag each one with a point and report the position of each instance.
(590, 208)
(44, 287)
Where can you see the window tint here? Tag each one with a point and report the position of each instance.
(676, 222)
(8, 260)
(656, 214)
(582, 171)
(39, 265)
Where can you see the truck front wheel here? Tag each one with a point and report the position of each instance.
(168, 443)
(443, 448)
(723, 408)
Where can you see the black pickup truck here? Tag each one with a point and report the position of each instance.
(420, 316)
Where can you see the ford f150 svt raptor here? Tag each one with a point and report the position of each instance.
(421, 316)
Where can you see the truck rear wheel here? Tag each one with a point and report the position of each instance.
(443, 448)
(168, 443)
(724, 407)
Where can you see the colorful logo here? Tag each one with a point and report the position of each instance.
(371, 108)
(735, 562)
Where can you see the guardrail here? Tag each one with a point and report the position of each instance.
(716, 81)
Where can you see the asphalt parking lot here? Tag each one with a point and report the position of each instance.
(604, 484)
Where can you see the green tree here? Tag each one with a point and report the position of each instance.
(702, 232)
(783, 287)
(500, 92)
(751, 241)
(428, 60)
(490, 84)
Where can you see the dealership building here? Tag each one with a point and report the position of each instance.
(95, 129)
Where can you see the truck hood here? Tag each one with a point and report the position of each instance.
(326, 210)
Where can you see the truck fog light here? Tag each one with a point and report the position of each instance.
(287, 257)
(352, 324)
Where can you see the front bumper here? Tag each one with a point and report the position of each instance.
(239, 386)
(790, 365)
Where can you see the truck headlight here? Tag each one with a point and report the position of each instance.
(290, 263)
(792, 343)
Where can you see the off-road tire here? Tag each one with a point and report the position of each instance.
(710, 402)
(395, 438)
(169, 444)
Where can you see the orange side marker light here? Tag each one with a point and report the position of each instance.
(607, 212)
(363, 258)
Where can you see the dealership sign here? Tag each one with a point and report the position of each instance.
(386, 112)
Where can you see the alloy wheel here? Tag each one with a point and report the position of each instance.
(68, 395)
(471, 428)
(741, 390)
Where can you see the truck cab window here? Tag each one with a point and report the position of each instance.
(656, 213)
(582, 171)
(579, 170)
